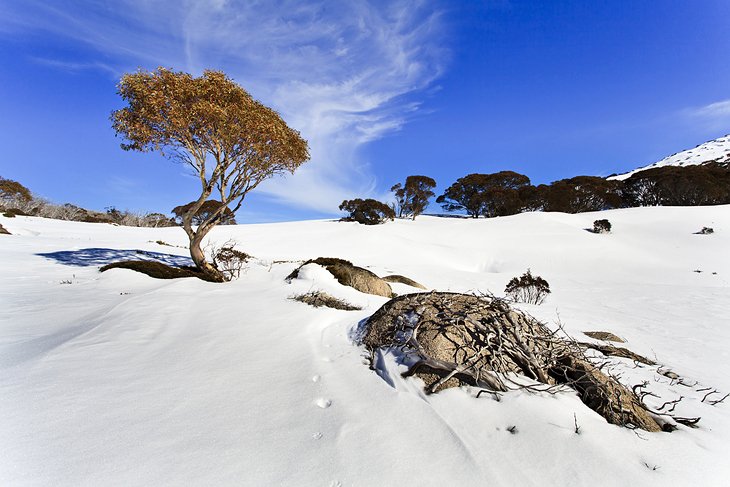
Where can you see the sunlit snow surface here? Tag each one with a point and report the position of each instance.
(118, 379)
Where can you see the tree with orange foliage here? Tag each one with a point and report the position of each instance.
(231, 141)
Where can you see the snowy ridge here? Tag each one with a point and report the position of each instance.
(116, 378)
(714, 151)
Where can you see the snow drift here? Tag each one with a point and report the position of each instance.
(116, 378)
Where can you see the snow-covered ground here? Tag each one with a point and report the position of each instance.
(717, 150)
(116, 378)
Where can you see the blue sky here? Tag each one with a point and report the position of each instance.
(381, 90)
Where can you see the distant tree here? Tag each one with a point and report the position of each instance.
(487, 195)
(11, 191)
(678, 186)
(367, 212)
(412, 198)
(231, 141)
(583, 193)
(115, 215)
(208, 208)
(532, 198)
(156, 220)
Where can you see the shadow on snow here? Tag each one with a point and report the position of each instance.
(100, 257)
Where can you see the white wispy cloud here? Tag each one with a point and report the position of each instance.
(343, 73)
(77, 66)
(720, 109)
(715, 116)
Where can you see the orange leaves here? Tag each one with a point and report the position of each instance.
(208, 116)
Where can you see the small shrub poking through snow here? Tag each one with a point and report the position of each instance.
(601, 226)
(527, 289)
(229, 261)
(705, 231)
(320, 298)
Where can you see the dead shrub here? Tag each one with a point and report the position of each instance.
(527, 289)
(320, 298)
(229, 261)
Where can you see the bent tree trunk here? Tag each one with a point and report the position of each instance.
(196, 253)
(196, 236)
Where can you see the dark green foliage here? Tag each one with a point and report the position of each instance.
(412, 198)
(678, 186)
(487, 195)
(367, 212)
(155, 269)
(528, 288)
(580, 194)
(507, 193)
(601, 226)
(207, 210)
(532, 198)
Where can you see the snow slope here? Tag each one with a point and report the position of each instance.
(118, 379)
(717, 150)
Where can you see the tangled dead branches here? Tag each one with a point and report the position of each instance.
(228, 260)
(464, 339)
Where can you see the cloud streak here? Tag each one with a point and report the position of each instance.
(343, 73)
(715, 115)
(720, 109)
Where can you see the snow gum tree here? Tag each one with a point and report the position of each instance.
(231, 141)
(487, 195)
(412, 198)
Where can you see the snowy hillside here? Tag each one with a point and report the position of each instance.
(717, 150)
(116, 378)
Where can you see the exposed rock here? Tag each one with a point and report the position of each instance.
(403, 280)
(348, 274)
(3, 231)
(604, 335)
(465, 339)
(155, 269)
